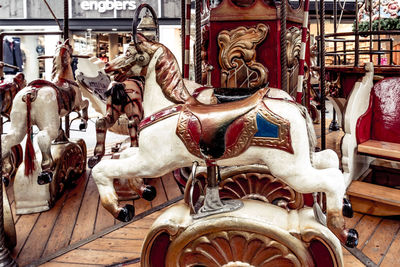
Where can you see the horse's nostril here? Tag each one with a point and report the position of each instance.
(107, 65)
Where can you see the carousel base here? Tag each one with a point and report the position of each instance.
(70, 164)
(258, 234)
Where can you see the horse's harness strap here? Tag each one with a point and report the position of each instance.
(158, 116)
(65, 96)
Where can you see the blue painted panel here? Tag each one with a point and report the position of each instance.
(266, 128)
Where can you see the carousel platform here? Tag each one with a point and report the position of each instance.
(78, 231)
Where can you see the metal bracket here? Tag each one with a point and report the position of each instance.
(212, 201)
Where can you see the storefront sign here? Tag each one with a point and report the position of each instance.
(107, 5)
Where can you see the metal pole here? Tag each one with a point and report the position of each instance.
(299, 94)
(66, 36)
(322, 73)
(183, 35)
(357, 40)
(198, 43)
(186, 57)
(283, 47)
(334, 126)
(5, 256)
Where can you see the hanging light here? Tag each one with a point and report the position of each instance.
(148, 27)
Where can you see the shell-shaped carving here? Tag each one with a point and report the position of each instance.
(261, 186)
(234, 248)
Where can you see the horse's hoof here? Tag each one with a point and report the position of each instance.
(6, 181)
(93, 161)
(126, 214)
(82, 125)
(347, 210)
(45, 178)
(352, 238)
(149, 193)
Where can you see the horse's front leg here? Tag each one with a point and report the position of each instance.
(132, 127)
(85, 117)
(109, 199)
(44, 138)
(102, 125)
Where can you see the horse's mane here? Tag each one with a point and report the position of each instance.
(58, 60)
(169, 77)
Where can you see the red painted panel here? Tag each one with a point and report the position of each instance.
(320, 254)
(159, 249)
(386, 110)
(268, 51)
(363, 126)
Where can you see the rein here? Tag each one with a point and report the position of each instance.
(159, 116)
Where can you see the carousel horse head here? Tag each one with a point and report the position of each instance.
(138, 60)
(62, 59)
(134, 61)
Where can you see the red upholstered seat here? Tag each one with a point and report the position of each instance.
(381, 121)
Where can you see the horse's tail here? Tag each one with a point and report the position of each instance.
(29, 151)
(312, 137)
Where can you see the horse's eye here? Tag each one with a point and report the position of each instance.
(128, 53)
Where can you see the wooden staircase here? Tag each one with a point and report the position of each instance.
(374, 199)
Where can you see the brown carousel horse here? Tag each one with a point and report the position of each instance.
(43, 103)
(123, 98)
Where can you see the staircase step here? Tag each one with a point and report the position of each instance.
(374, 199)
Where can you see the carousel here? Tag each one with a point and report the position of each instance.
(226, 170)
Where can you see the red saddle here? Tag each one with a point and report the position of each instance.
(65, 95)
(227, 130)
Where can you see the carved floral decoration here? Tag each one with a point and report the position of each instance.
(237, 57)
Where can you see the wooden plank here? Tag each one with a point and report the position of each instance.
(365, 228)
(113, 244)
(84, 225)
(23, 229)
(64, 264)
(85, 256)
(161, 195)
(104, 219)
(128, 233)
(351, 261)
(141, 205)
(377, 193)
(380, 149)
(171, 187)
(352, 222)
(65, 223)
(392, 256)
(381, 240)
(37, 240)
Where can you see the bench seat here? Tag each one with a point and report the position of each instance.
(380, 149)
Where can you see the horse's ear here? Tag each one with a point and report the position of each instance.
(66, 42)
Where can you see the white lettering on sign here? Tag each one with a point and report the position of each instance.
(106, 5)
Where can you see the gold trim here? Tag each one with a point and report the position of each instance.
(238, 49)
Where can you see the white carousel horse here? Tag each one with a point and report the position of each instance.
(161, 150)
(43, 103)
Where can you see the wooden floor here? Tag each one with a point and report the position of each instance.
(77, 231)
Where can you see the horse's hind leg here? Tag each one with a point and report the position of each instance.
(331, 182)
(44, 138)
(102, 125)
